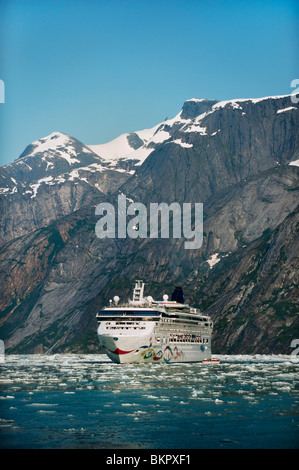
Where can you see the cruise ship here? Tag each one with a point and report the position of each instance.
(145, 330)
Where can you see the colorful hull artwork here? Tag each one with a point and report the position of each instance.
(171, 353)
(149, 353)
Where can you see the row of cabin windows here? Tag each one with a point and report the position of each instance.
(180, 320)
(165, 320)
(122, 327)
(183, 339)
(149, 315)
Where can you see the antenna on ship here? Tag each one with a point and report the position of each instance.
(138, 292)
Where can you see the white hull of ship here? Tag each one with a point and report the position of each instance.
(141, 347)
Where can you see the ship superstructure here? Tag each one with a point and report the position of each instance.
(146, 330)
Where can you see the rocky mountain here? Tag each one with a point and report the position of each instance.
(239, 158)
(225, 143)
(53, 177)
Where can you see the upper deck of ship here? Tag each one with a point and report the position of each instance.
(148, 308)
(155, 309)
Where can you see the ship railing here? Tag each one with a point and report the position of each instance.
(119, 313)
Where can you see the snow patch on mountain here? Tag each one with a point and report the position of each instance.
(196, 128)
(117, 148)
(120, 149)
(181, 143)
(286, 109)
(235, 103)
(213, 260)
(160, 137)
(20, 162)
(197, 100)
(73, 175)
(177, 119)
(294, 163)
(7, 191)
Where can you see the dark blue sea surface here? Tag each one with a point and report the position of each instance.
(86, 401)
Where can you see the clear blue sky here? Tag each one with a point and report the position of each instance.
(96, 69)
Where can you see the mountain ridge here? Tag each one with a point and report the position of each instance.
(237, 157)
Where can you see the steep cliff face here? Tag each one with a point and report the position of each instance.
(232, 156)
(254, 299)
(218, 148)
(47, 275)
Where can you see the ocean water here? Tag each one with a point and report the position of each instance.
(86, 401)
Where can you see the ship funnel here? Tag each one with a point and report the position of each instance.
(178, 295)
